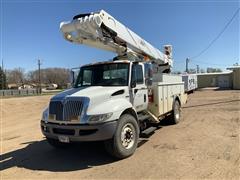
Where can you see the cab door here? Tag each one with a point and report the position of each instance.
(138, 88)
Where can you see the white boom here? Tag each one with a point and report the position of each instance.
(101, 30)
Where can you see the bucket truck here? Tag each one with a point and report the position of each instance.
(113, 101)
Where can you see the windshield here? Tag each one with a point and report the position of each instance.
(114, 74)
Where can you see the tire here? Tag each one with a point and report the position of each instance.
(56, 144)
(176, 114)
(125, 140)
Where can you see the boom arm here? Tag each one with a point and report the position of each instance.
(101, 30)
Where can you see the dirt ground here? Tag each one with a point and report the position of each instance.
(204, 145)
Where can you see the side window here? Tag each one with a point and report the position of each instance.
(87, 77)
(106, 75)
(137, 73)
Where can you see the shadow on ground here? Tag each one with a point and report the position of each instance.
(39, 155)
(222, 89)
(214, 103)
(214, 89)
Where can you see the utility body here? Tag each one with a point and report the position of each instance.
(190, 82)
(113, 101)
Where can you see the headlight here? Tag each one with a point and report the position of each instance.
(45, 115)
(99, 118)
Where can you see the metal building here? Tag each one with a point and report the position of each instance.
(235, 76)
(221, 80)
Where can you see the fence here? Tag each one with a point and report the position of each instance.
(22, 92)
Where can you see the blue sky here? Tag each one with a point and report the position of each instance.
(30, 30)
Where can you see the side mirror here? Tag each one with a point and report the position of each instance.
(133, 84)
(72, 78)
(148, 74)
(148, 81)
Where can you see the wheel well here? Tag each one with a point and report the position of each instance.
(130, 111)
(177, 99)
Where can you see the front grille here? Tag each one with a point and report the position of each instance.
(72, 110)
(56, 108)
(67, 111)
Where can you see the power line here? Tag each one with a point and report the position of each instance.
(202, 62)
(211, 63)
(218, 36)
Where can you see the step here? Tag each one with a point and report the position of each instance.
(148, 131)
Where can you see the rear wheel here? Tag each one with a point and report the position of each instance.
(176, 114)
(56, 144)
(125, 139)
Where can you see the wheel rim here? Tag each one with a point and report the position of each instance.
(127, 136)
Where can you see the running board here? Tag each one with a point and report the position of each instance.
(148, 131)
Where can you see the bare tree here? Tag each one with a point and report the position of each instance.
(16, 76)
(202, 70)
(192, 71)
(59, 76)
(212, 70)
(32, 77)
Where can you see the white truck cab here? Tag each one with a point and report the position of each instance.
(113, 101)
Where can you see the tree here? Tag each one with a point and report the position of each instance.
(176, 72)
(32, 77)
(202, 71)
(192, 71)
(16, 76)
(3, 81)
(59, 76)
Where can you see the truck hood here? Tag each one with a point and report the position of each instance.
(96, 94)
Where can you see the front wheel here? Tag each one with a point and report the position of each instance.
(125, 139)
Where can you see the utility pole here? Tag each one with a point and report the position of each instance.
(2, 75)
(39, 77)
(198, 69)
(187, 61)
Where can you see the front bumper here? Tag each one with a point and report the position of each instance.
(79, 132)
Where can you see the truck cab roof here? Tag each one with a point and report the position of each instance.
(108, 62)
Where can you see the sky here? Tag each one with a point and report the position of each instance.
(30, 31)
